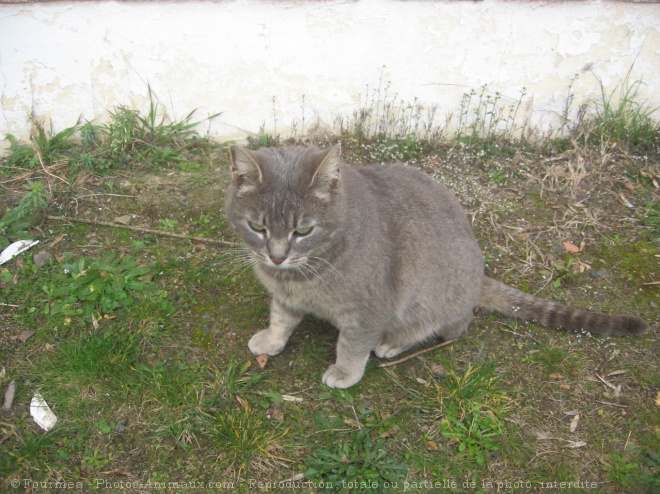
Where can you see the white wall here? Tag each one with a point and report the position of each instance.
(68, 59)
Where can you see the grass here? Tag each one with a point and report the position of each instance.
(139, 343)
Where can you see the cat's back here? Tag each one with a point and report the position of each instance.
(408, 195)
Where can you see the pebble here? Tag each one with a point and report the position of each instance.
(121, 425)
(600, 273)
(42, 258)
(8, 401)
(124, 220)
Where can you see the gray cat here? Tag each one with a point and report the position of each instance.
(384, 253)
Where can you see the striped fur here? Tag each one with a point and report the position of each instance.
(496, 296)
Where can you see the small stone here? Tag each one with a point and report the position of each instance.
(8, 401)
(121, 425)
(124, 220)
(42, 258)
(600, 273)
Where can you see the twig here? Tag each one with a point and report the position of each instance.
(8, 305)
(37, 151)
(417, 354)
(29, 173)
(611, 404)
(104, 194)
(143, 230)
(625, 446)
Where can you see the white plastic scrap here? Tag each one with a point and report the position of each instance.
(41, 412)
(15, 249)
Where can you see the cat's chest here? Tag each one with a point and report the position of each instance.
(311, 296)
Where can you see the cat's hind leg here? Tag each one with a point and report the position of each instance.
(397, 342)
(272, 341)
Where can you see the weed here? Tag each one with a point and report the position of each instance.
(93, 460)
(169, 225)
(15, 222)
(473, 407)
(243, 437)
(473, 429)
(236, 379)
(50, 146)
(263, 139)
(386, 120)
(92, 286)
(130, 137)
(651, 220)
(498, 176)
(622, 118)
(487, 121)
(358, 464)
(20, 156)
(620, 470)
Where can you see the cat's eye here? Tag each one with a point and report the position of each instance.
(304, 230)
(257, 227)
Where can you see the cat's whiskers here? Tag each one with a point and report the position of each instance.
(314, 270)
(328, 265)
(309, 269)
(301, 270)
(241, 258)
(248, 263)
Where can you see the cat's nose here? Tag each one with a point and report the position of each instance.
(277, 260)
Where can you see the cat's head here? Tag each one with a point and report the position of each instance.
(286, 204)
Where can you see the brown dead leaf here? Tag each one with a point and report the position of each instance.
(565, 386)
(574, 423)
(25, 335)
(657, 399)
(262, 360)
(617, 372)
(555, 375)
(56, 241)
(569, 247)
(48, 347)
(431, 446)
(243, 402)
(352, 423)
(581, 267)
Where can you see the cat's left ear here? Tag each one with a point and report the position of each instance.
(326, 178)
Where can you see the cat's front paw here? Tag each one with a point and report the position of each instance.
(334, 377)
(265, 342)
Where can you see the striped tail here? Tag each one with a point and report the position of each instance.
(496, 296)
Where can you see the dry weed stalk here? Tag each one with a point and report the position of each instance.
(565, 174)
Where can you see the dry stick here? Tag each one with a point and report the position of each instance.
(22, 176)
(417, 354)
(43, 166)
(144, 230)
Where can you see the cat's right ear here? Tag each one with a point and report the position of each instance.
(244, 168)
(327, 175)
